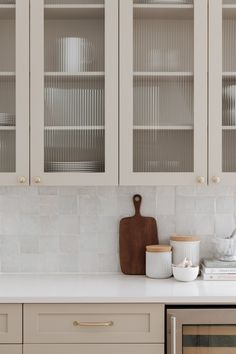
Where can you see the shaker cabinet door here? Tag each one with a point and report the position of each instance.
(163, 92)
(14, 92)
(222, 91)
(74, 92)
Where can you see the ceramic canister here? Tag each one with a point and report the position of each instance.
(185, 247)
(158, 261)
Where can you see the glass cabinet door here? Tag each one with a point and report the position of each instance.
(74, 114)
(14, 92)
(201, 331)
(163, 91)
(222, 91)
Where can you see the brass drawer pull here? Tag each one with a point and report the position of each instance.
(93, 324)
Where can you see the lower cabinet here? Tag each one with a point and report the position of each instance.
(93, 349)
(11, 349)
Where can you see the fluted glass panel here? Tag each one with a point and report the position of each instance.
(51, 2)
(74, 109)
(162, 44)
(163, 150)
(163, 101)
(7, 151)
(163, 105)
(229, 102)
(229, 148)
(229, 42)
(163, 1)
(74, 45)
(7, 88)
(8, 2)
(74, 150)
(74, 102)
(229, 90)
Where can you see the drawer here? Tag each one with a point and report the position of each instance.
(10, 323)
(94, 323)
(11, 349)
(94, 349)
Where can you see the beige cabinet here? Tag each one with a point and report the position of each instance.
(222, 91)
(14, 92)
(74, 92)
(163, 92)
(91, 323)
(82, 328)
(94, 349)
(10, 324)
(11, 349)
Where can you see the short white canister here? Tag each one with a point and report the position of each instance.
(158, 261)
(185, 247)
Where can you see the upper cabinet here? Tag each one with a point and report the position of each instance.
(74, 92)
(14, 92)
(222, 91)
(163, 92)
(130, 92)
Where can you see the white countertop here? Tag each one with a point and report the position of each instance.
(112, 288)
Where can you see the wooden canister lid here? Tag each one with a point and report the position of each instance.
(158, 248)
(185, 238)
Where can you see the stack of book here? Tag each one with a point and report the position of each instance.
(213, 269)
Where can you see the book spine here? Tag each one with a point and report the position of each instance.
(218, 276)
(219, 270)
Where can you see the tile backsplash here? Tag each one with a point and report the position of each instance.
(76, 229)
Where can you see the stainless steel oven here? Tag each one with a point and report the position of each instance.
(201, 330)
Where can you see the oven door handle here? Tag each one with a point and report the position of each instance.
(173, 335)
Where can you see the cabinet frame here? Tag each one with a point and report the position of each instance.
(22, 97)
(215, 96)
(110, 176)
(127, 176)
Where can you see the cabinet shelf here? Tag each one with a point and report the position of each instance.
(7, 12)
(71, 12)
(84, 127)
(7, 74)
(89, 74)
(232, 127)
(163, 75)
(7, 128)
(158, 127)
(228, 74)
(229, 11)
(164, 11)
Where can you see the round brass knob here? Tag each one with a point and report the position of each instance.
(216, 179)
(37, 180)
(22, 180)
(200, 180)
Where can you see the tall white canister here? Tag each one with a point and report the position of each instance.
(185, 247)
(158, 261)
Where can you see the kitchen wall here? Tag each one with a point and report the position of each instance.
(76, 229)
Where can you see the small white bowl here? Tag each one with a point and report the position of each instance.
(185, 274)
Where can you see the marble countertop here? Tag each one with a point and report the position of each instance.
(72, 288)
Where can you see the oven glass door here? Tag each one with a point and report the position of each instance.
(201, 331)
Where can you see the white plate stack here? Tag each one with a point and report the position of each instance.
(81, 166)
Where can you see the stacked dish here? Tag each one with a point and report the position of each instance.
(80, 166)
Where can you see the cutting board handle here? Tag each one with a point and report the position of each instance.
(137, 199)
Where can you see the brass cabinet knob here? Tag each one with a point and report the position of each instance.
(37, 180)
(22, 179)
(200, 180)
(216, 179)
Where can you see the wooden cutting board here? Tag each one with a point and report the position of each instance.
(136, 233)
